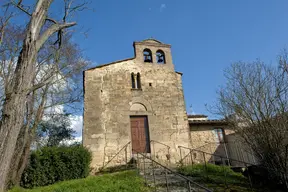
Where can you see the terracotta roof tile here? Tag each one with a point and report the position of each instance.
(197, 116)
(208, 121)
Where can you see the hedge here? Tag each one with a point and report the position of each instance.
(52, 164)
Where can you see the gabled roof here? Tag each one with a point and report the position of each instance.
(119, 61)
(114, 62)
(151, 40)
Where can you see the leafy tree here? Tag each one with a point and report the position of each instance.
(55, 130)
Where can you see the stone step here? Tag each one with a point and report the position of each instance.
(178, 189)
(135, 156)
(157, 177)
(175, 182)
(172, 189)
(160, 180)
(156, 171)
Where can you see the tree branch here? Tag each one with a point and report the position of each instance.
(51, 30)
(20, 6)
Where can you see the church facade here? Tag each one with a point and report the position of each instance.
(137, 102)
(137, 105)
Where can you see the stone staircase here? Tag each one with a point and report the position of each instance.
(161, 178)
(156, 175)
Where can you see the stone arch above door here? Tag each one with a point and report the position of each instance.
(141, 104)
(138, 107)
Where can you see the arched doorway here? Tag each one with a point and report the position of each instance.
(139, 130)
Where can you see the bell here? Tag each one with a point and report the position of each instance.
(160, 60)
(147, 59)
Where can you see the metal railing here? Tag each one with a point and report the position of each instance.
(209, 157)
(124, 148)
(162, 178)
(198, 149)
(126, 153)
(230, 150)
(155, 153)
(194, 156)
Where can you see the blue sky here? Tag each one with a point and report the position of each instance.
(206, 36)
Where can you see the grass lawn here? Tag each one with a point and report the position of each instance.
(126, 181)
(213, 176)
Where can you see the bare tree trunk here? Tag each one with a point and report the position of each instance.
(14, 106)
(23, 161)
(12, 119)
(17, 156)
(20, 158)
(15, 101)
(25, 138)
(24, 142)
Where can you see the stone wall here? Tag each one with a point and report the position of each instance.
(204, 139)
(107, 110)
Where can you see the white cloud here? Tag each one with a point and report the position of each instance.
(77, 124)
(162, 7)
(57, 109)
(72, 141)
(76, 121)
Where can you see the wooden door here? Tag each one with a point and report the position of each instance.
(140, 134)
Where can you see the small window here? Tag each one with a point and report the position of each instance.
(147, 54)
(219, 133)
(138, 81)
(160, 57)
(133, 81)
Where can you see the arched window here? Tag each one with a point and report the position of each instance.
(160, 57)
(138, 81)
(133, 81)
(147, 54)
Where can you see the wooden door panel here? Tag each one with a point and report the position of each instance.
(139, 134)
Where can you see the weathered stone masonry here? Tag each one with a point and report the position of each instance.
(110, 101)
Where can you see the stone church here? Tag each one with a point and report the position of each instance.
(139, 102)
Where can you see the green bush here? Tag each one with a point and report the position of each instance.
(52, 164)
